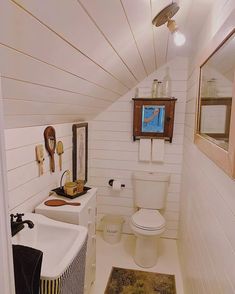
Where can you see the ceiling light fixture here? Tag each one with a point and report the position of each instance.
(164, 16)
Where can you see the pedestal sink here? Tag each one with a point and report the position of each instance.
(60, 243)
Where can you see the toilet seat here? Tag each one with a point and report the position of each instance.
(148, 219)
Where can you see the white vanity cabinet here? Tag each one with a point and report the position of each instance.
(84, 215)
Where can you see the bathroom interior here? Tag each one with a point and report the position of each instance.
(117, 139)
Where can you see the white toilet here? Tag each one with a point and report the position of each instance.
(150, 190)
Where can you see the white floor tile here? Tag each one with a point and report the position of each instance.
(120, 255)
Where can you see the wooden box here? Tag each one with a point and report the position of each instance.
(153, 118)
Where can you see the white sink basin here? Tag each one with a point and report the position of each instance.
(60, 242)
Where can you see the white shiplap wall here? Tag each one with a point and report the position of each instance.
(26, 189)
(113, 154)
(206, 239)
(67, 61)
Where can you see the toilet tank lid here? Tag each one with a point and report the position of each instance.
(151, 176)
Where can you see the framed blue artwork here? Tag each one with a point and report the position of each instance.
(153, 118)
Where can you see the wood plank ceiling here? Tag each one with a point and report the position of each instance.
(67, 60)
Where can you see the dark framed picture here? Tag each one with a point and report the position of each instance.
(80, 151)
(153, 118)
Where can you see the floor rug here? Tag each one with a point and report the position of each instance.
(127, 281)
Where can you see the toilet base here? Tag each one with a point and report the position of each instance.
(146, 251)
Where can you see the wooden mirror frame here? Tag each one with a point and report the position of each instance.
(225, 159)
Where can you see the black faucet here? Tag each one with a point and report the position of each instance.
(18, 225)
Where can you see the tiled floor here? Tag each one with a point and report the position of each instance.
(120, 255)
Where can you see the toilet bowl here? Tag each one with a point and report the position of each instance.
(150, 191)
(147, 225)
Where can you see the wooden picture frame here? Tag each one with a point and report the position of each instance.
(222, 156)
(153, 118)
(80, 151)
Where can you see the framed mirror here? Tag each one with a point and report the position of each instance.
(215, 129)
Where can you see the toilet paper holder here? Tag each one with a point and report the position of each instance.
(111, 183)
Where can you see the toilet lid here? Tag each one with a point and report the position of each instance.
(148, 219)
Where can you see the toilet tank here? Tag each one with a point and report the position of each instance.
(150, 189)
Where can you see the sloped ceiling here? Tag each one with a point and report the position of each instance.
(67, 60)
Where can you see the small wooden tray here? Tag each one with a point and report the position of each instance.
(61, 192)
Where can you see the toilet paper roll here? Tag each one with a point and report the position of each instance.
(116, 185)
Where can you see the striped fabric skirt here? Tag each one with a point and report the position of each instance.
(71, 281)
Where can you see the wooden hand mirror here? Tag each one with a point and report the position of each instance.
(50, 143)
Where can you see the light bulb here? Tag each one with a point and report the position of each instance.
(179, 38)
